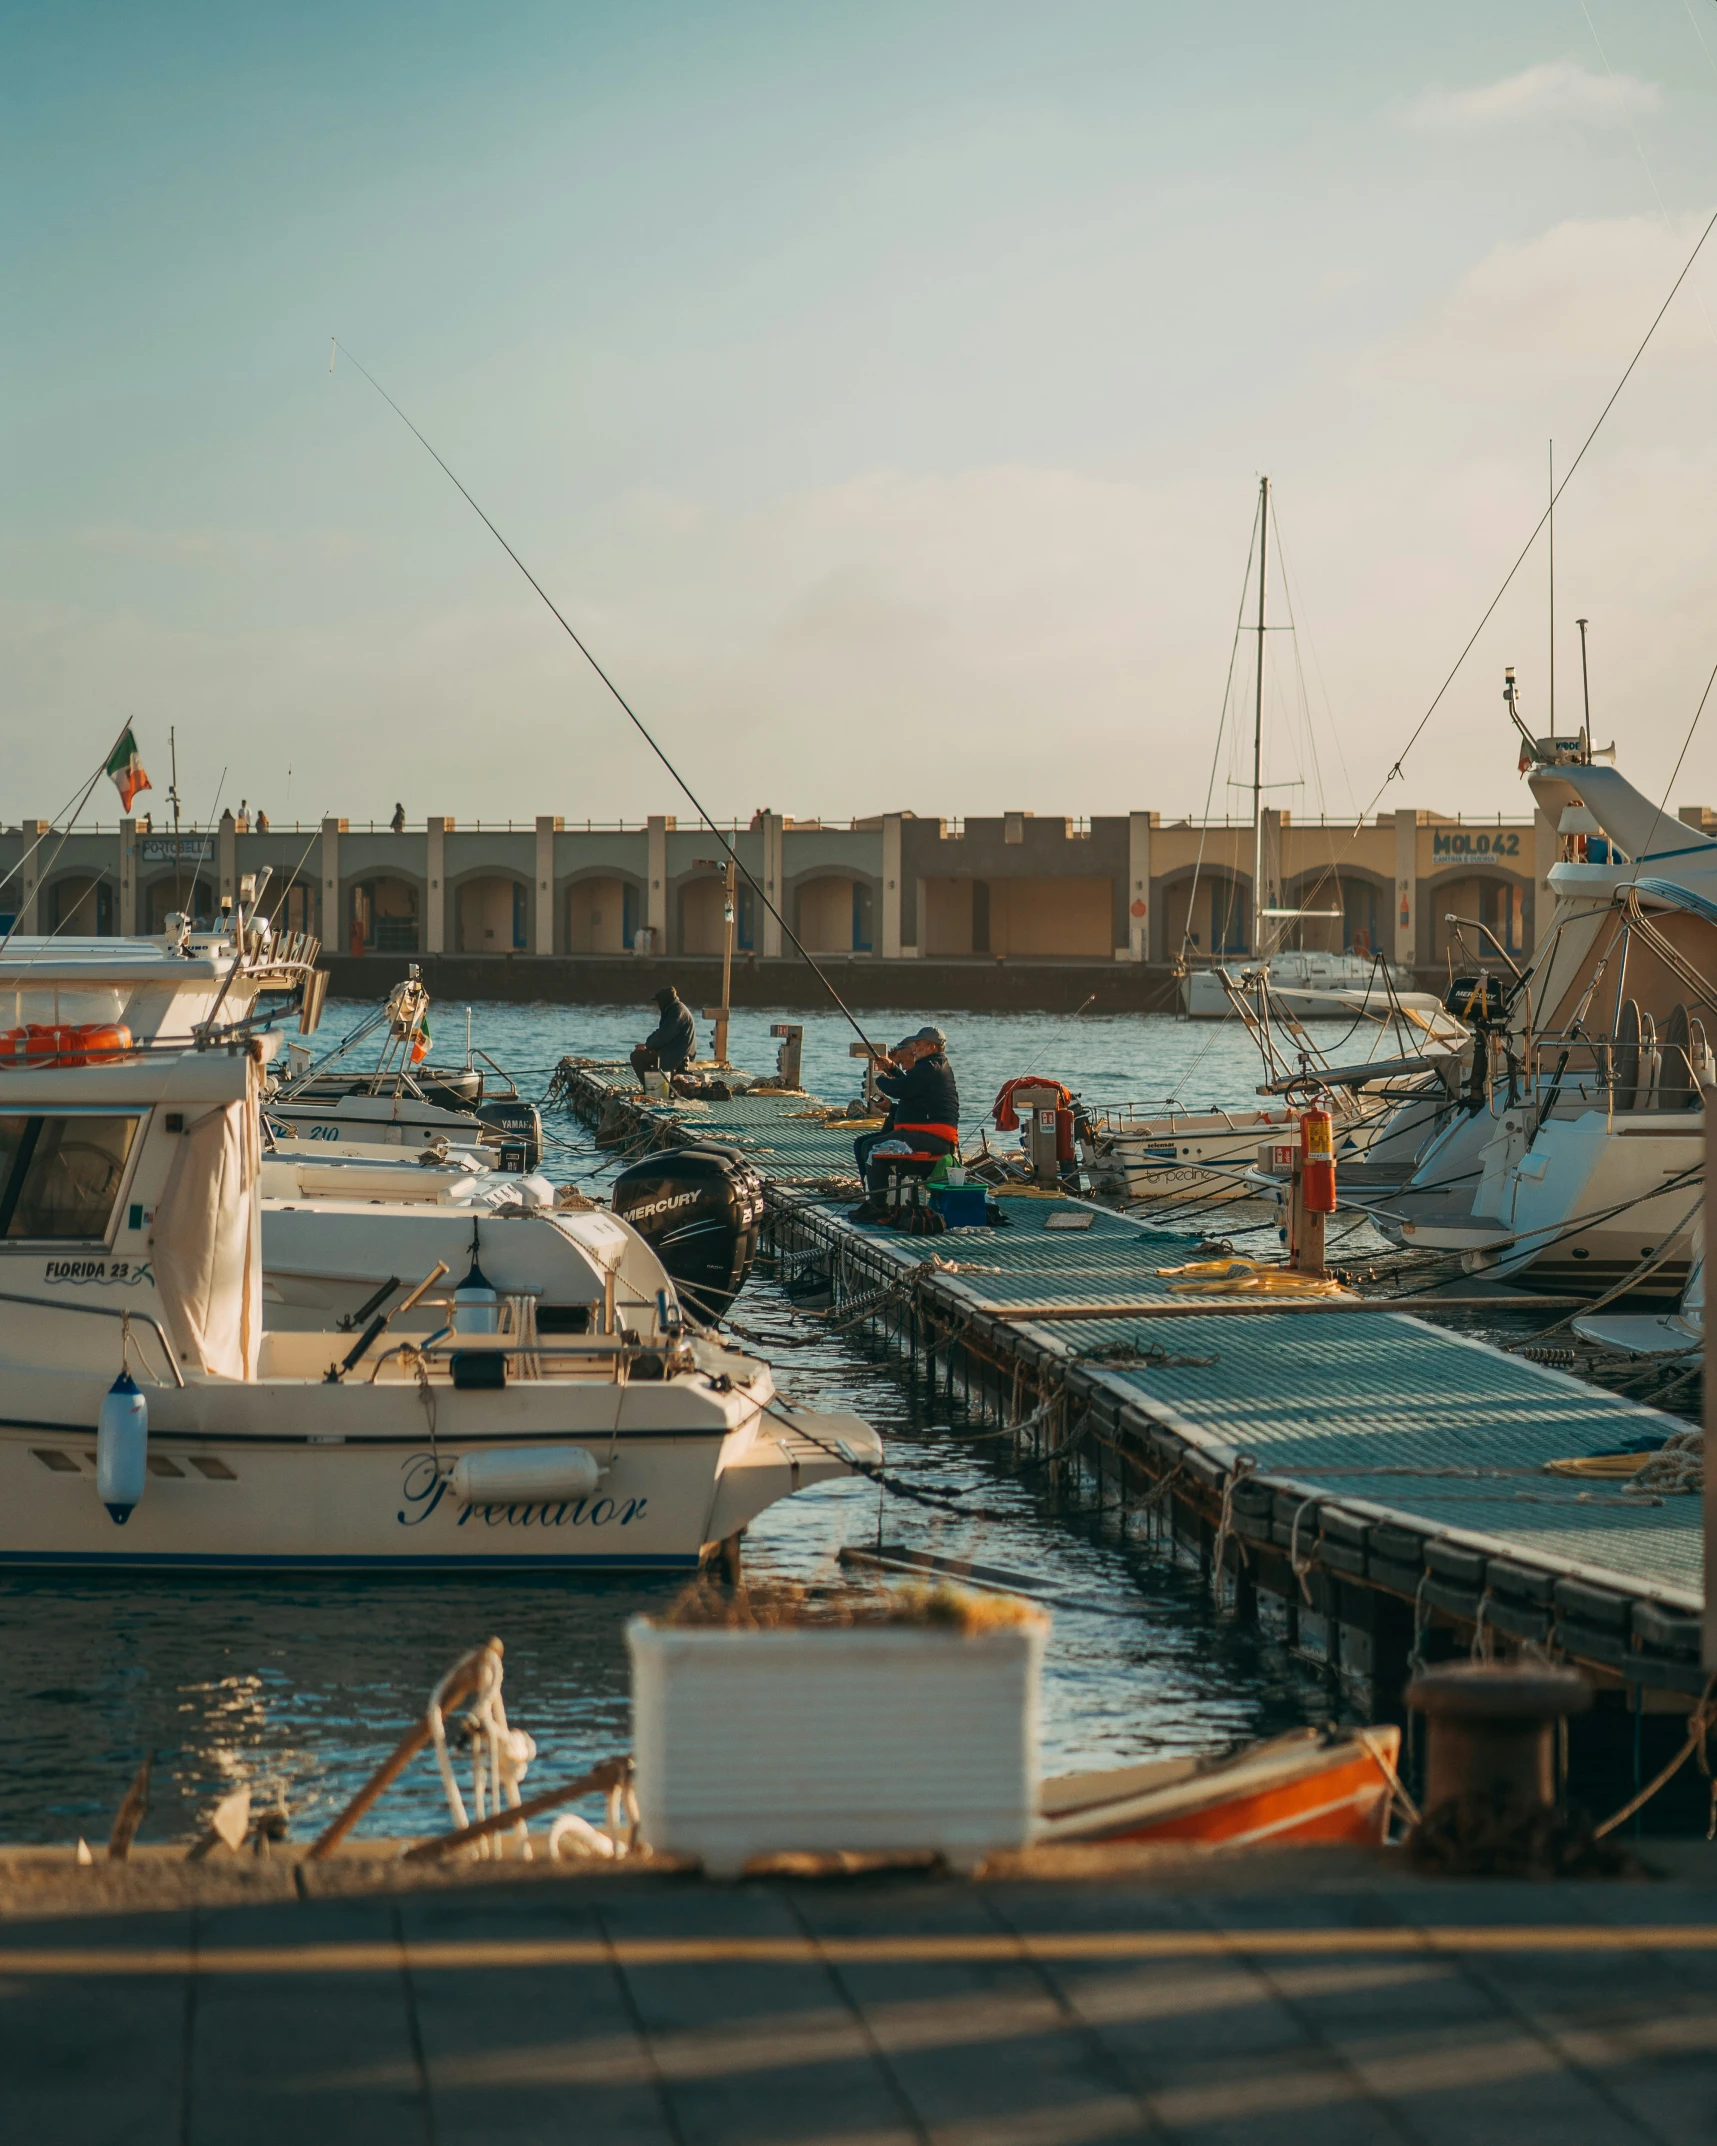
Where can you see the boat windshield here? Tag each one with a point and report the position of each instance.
(61, 1175)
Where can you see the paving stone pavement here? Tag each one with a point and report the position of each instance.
(1224, 2009)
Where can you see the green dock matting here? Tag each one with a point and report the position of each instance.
(1378, 1409)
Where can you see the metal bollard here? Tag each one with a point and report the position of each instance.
(1492, 1729)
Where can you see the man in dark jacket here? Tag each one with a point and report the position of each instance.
(924, 1102)
(673, 1043)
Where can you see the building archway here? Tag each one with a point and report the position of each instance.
(1207, 911)
(603, 912)
(79, 906)
(834, 913)
(492, 915)
(383, 917)
(1500, 901)
(192, 894)
(1363, 924)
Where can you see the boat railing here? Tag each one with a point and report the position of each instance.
(1649, 1072)
(102, 1311)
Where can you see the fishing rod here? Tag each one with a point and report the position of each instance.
(625, 705)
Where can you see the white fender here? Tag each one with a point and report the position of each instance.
(514, 1473)
(122, 1448)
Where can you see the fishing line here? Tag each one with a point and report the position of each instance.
(625, 706)
(280, 904)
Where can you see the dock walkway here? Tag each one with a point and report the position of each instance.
(1230, 2003)
(1357, 1478)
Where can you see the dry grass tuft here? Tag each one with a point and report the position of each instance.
(783, 1605)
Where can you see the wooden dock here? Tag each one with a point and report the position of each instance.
(1243, 2001)
(1370, 1486)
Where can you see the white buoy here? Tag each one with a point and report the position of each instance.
(122, 1448)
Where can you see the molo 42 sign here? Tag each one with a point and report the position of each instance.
(1498, 842)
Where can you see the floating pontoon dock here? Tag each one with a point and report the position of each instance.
(1359, 1480)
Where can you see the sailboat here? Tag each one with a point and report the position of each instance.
(1308, 984)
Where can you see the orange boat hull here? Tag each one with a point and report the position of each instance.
(1289, 1791)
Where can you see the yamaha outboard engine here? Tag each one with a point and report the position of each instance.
(520, 1126)
(698, 1209)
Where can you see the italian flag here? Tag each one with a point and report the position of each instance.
(420, 1042)
(128, 772)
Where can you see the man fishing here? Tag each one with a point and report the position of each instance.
(924, 1102)
(673, 1043)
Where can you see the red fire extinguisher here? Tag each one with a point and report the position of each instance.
(1317, 1162)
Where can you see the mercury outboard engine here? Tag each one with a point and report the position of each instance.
(520, 1126)
(698, 1209)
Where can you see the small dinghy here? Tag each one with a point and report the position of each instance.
(1316, 1785)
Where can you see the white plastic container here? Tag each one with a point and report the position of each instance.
(817, 1739)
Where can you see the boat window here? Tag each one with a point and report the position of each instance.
(61, 1176)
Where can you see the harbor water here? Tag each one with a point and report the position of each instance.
(299, 1684)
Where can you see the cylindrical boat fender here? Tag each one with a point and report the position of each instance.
(476, 1302)
(1317, 1162)
(510, 1474)
(122, 1448)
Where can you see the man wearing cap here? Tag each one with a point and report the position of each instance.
(673, 1043)
(924, 1103)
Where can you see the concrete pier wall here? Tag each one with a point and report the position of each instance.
(1012, 910)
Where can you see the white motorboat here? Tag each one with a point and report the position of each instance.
(1198, 1157)
(398, 1102)
(1313, 987)
(457, 1435)
(1203, 1157)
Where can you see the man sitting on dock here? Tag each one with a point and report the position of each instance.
(924, 1103)
(673, 1043)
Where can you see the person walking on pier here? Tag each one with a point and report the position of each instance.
(924, 1103)
(673, 1043)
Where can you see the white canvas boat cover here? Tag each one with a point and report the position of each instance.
(208, 1242)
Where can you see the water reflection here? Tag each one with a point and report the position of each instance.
(299, 1685)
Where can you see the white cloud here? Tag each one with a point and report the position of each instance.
(1554, 89)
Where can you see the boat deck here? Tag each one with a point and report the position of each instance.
(1353, 1454)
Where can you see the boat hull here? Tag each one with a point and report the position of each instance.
(280, 1476)
(1210, 1156)
(1295, 1791)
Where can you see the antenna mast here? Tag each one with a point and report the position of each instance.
(1552, 588)
(1585, 696)
(1258, 901)
(173, 799)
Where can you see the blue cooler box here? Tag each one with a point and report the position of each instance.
(960, 1206)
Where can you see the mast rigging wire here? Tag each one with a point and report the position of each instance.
(1615, 393)
(1186, 937)
(625, 706)
(71, 822)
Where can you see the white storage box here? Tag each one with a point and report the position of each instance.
(819, 1738)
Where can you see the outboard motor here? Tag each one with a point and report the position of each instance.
(521, 1128)
(698, 1209)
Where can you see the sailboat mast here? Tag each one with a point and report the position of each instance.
(1258, 947)
(1552, 588)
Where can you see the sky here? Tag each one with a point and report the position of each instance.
(881, 392)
